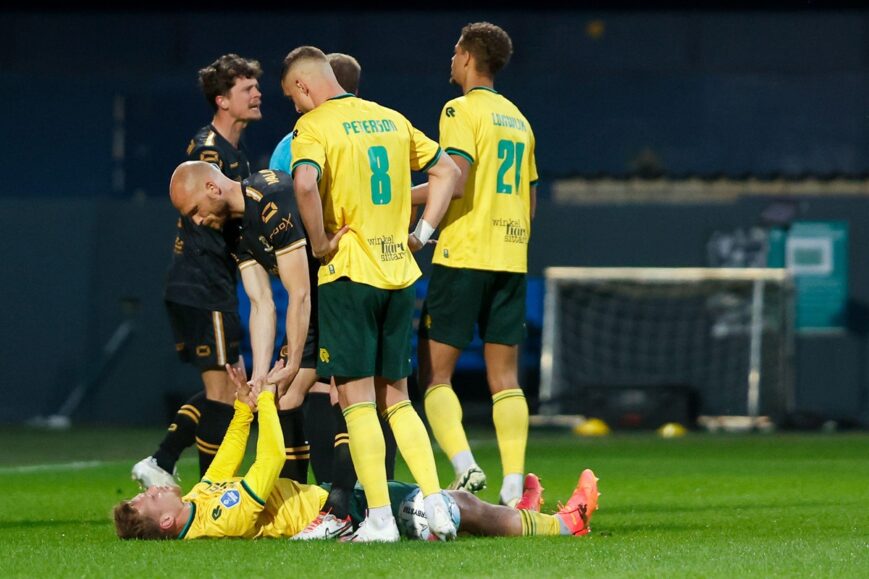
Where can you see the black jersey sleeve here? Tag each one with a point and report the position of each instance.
(281, 224)
(279, 216)
(242, 253)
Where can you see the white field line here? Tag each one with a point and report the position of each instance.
(72, 466)
(31, 468)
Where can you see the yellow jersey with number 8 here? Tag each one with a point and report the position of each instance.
(363, 154)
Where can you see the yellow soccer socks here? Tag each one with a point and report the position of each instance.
(444, 413)
(534, 523)
(412, 440)
(368, 450)
(510, 415)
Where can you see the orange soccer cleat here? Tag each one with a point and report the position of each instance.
(576, 514)
(532, 494)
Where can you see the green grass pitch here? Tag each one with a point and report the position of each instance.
(786, 505)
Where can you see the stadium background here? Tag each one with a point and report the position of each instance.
(100, 106)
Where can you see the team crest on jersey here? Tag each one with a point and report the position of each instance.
(230, 498)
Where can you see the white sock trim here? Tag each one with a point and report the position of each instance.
(463, 461)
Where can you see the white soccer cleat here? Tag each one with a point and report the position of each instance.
(326, 526)
(440, 523)
(368, 532)
(148, 474)
(472, 480)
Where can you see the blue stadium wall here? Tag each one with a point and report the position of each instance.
(100, 108)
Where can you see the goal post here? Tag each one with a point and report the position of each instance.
(725, 333)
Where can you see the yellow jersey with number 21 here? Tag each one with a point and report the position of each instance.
(489, 227)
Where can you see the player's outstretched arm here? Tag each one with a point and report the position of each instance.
(263, 318)
(231, 451)
(243, 390)
(270, 455)
(293, 271)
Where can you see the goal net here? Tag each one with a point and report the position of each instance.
(725, 333)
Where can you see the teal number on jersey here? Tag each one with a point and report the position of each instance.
(381, 186)
(509, 152)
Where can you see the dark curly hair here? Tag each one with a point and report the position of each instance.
(218, 78)
(489, 44)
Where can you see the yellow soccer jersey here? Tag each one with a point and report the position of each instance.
(364, 154)
(489, 227)
(259, 504)
(229, 509)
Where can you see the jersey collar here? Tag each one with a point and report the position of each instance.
(186, 528)
(341, 96)
(483, 88)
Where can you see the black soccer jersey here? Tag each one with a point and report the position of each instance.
(271, 225)
(202, 273)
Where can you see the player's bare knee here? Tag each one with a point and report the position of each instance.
(498, 382)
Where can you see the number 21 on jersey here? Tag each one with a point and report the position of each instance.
(510, 154)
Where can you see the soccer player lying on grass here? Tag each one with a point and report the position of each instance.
(262, 505)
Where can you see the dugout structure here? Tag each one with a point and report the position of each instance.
(724, 334)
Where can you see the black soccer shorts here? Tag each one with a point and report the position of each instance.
(207, 339)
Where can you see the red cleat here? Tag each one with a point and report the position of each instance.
(576, 514)
(532, 494)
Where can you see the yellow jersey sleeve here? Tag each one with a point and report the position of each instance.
(231, 451)
(457, 131)
(308, 147)
(424, 152)
(260, 479)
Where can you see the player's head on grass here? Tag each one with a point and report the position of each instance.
(483, 50)
(201, 192)
(230, 85)
(307, 78)
(153, 514)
